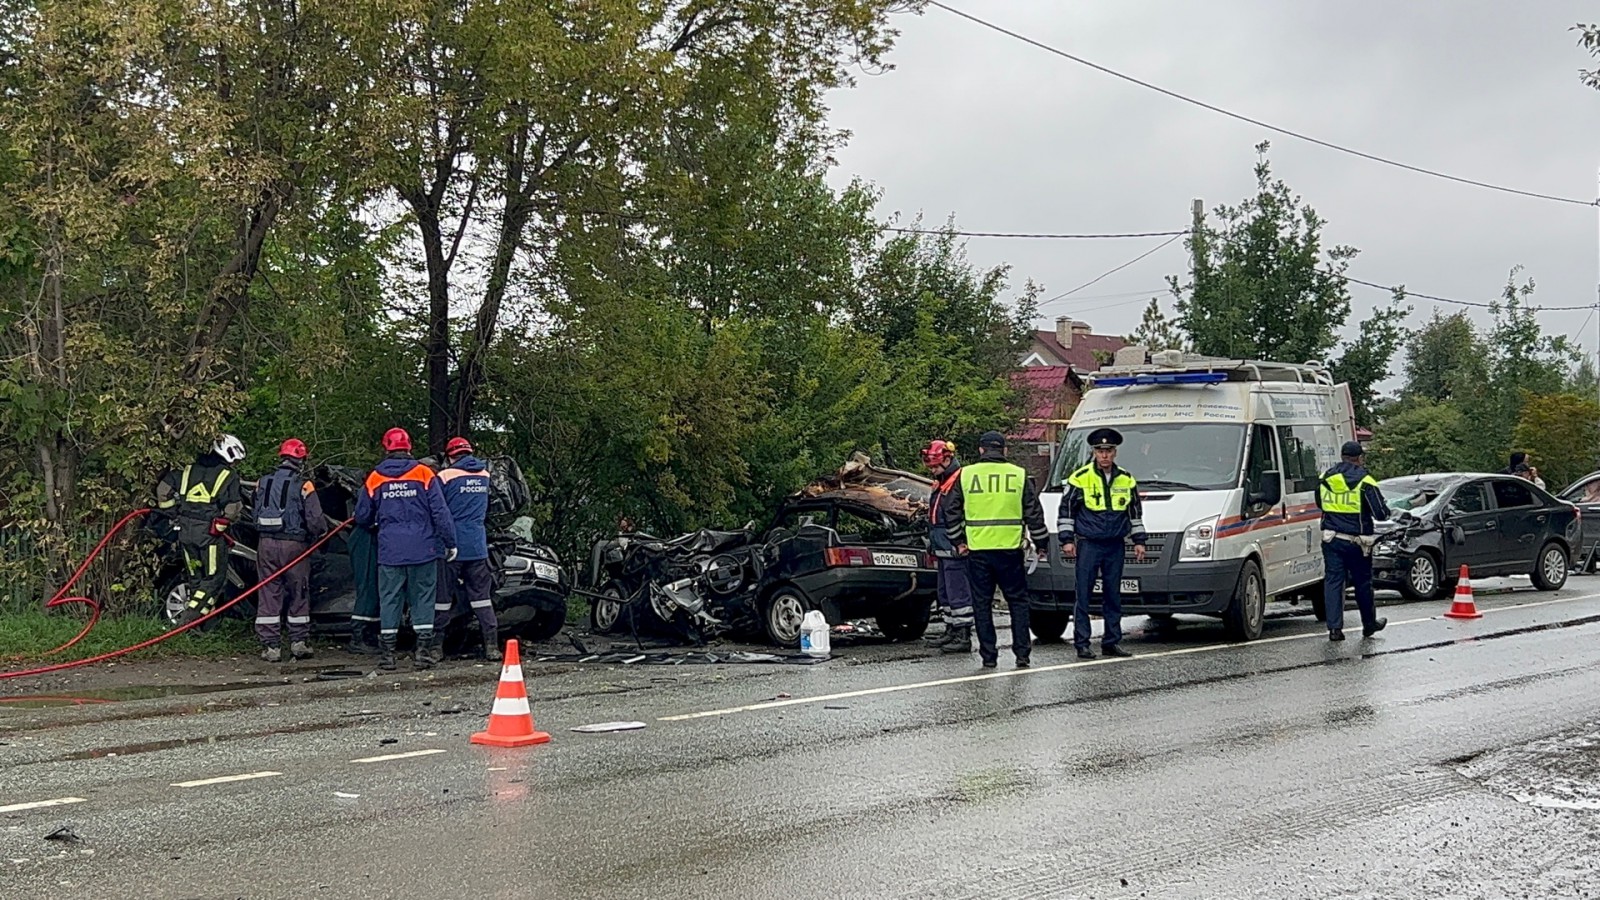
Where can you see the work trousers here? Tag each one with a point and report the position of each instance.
(363, 544)
(407, 587)
(1103, 558)
(955, 591)
(465, 582)
(289, 592)
(206, 562)
(987, 569)
(1344, 563)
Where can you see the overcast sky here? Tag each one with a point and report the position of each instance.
(1008, 137)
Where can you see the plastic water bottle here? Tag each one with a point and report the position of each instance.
(814, 634)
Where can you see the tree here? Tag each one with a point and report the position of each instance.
(1559, 430)
(1421, 437)
(1156, 331)
(1260, 284)
(1445, 359)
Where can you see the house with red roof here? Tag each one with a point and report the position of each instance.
(1072, 344)
(1051, 381)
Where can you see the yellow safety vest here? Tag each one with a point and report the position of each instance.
(1088, 480)
(991, 494)
(1339, 496)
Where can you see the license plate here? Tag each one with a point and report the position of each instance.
(1129, 586)
(898, 560)
(547, 571)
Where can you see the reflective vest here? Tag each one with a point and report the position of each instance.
(1339, 496)
(1088, 480)
(280, 508)
(991, 492)
(197, 501)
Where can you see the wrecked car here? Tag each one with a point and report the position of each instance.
(852, 544)
(530, 585)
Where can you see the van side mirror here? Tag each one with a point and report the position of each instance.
(1268, 490)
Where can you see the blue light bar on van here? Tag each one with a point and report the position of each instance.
(1165, 378)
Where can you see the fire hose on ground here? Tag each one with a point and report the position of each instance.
(62, 599)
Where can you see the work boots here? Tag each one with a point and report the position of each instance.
(364, 639)
(271, 653)
(386, 650)
(491, 645)
(958, 640)
(435, 648)
(424, 655)
(300, 650)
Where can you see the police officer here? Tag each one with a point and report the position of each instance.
(1100, 511)
(955, 590)
(288, 516)
(467, 577)
(993, 509)
(1350, 501)
(203, 501)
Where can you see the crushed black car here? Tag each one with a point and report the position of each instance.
(852, 544)
(531, 585)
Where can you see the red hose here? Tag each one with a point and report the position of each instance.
(60, 600)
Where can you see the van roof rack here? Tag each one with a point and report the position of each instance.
(1177, 367)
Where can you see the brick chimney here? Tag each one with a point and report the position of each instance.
(1064, 331)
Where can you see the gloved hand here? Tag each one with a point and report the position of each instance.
(218, 526)
(450, 555)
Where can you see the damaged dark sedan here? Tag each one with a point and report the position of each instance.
(852, 544)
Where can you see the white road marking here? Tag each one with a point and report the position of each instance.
(1036, 670)
(373, 759)
(41, 804)
(224, 779)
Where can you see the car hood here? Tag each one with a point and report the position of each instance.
(901, 495)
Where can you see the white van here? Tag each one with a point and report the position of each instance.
(1228, 454)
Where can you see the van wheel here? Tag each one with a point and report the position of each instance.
(782, 616)
(1319, 602)
(906, 622)
(1245, 616)
(1048, 625)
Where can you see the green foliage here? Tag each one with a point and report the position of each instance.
(1423, 436)
(1558, 431)
(1157, 331)
(1365, 361)
(29, 632)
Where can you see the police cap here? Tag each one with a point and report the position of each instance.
(1105, 437)
(1352, 450)
(992, 439)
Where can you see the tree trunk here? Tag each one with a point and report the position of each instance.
(436, 348)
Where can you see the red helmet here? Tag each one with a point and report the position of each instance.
(938, 452)
(293, 448)
(457, 445)
(396, 439)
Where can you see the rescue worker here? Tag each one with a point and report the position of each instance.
(1099, 513)
(288, 517)
(363, 543)
(403, 499)
(993, 509)
(955, 590)
(203, 500)
(465, 482)
(1350, 502)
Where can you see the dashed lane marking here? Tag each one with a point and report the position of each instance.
(41, 804)
(375, 759)
(225, 779)
(1038, 670)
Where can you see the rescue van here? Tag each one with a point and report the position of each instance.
(1227, 454)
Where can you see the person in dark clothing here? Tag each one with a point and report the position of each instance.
(201, 502)
(467, 577)
(1350, 502)
(1099, 514)
(1518, 463)
(403, 499)
(955, 588)
(288, 516)
(363, 543)
(992, 509)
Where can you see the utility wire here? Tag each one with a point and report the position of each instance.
(1257, 122)
(1109, 272)
(1031, 236)
(1474, 303)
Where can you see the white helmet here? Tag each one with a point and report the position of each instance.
(230, 448)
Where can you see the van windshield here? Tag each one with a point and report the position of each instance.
(1170, 456)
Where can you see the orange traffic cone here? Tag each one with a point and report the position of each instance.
(511, 721)
(1464, 607)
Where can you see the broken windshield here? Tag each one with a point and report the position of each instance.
(1169, 456)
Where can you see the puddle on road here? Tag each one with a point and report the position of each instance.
(117, 694)
(1558, 772)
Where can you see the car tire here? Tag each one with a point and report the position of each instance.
(1048, 625)
(545, 624)
(1423, 580)
(1247, 613)
(174, 594)
(606, 613)
(1550, 567)
(1319, 601)
(781, 616)
(906, 622)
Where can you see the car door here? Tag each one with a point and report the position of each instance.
(1585, 494)
(1470, 510)
(1264, 477)
(1522, 522)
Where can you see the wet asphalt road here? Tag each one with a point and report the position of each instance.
(1442, 759)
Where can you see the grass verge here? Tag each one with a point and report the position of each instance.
(28, 633)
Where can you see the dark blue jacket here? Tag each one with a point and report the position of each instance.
(403, 498)
(939, 542)
(1372, 503)
(466, 491)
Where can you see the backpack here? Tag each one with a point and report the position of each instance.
(279, 508)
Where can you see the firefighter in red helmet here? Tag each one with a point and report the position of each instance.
(955, 591)
(288, 516)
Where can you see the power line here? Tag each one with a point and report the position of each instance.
(1257, 122)
(1109, 272)
(1473, 303)
(1030, 236)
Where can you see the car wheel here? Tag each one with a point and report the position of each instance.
(605, 611)
(1248, 611)
(1423, 581)
(782, 615)
(1048, 625)
(905, 623)
(1319, 602)
(1550, 570)
(546, 624)
(174, 599)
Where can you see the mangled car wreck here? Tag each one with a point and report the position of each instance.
(852, 544)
